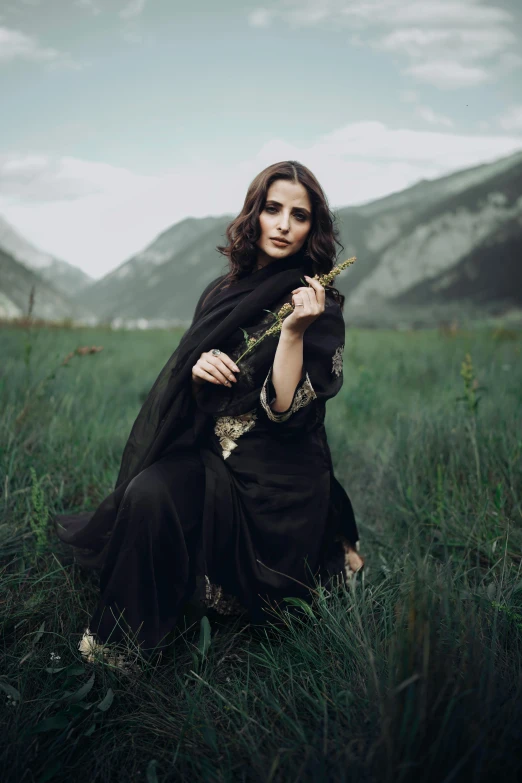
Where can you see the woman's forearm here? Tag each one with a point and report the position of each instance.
(287, 369)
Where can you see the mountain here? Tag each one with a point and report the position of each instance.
(495, 266)
(17, 281)
(63, 276)
(443, 227)
(432, 243)
(164, 280)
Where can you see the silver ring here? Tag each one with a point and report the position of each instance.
(215, 351)
(299, 304)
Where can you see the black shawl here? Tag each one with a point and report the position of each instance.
(169, 417)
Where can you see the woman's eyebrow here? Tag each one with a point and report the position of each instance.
(272, 201)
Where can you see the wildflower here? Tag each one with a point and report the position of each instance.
(467, 370)
(89, 647)
(11, 701)
(55, 658)
(329, 276)
(92, 651)
(287, 308)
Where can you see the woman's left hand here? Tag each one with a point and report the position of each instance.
(308, 305)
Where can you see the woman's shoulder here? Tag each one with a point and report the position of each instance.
(209, 288)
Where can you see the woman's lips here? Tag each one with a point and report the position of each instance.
(279, 242)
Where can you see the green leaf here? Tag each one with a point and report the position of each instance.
(151, 771)
(106, 701)
(210, 737)
(74, 669)
(39, 634)
(204, 636)
(293, 601)
(83, 691)
(10, 691)
(89, 730)
(58, 721)
(78, 709)
(52, 670)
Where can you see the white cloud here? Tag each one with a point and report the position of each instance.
(17, 45)
(463, 12)
(96, 215)
(409, 96)
(512, 119)
(433, 118)
(89, 5)
(260, 17)
(446, 44)
(14, 44)
(133, 9)
(425, 112)
(449, 74)
(469, 44)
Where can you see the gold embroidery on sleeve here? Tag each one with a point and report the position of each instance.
(303, 396)
(230, 428)
(337, 361)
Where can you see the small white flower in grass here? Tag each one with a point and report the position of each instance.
(55, 658)
(88, 646)
(92, 651)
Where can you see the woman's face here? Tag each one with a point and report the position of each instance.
(287, 213)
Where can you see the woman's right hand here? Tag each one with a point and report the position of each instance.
(214, 369)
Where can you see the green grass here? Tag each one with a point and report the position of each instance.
(412, 674)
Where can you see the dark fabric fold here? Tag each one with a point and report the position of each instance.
(169, 404)
(267, 505)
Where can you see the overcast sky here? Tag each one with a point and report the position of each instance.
(122, 117)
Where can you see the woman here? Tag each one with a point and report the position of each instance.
(226, 490)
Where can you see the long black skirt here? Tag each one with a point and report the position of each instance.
(251, 532)
(149, 572)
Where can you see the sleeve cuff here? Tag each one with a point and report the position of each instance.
(304, 394)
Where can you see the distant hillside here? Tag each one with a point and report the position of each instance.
(16, 281)
(63, 276)
(426, 243)
(437, 234)
(495, 266)
(164, 280)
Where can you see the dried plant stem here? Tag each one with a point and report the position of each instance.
(287, 308)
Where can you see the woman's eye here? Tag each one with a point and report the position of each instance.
(299, 215)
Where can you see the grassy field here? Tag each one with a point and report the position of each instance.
(412, 674)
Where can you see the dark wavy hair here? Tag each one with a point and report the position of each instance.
(244, 231)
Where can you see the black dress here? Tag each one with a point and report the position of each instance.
(241, 507)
